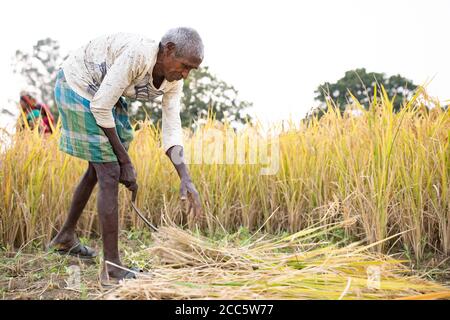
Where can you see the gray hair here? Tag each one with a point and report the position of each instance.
(187, 42)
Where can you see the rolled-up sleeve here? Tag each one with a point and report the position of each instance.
(119, 76)
(172, 133)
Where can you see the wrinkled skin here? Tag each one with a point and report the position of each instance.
(109, 175)
(170, 67)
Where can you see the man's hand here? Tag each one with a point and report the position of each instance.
(189, 192)
(128, 176)
(127, 172)
(187, 188)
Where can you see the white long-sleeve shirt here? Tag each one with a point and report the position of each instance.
(121, 65)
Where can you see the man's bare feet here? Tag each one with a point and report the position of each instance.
(115, 274)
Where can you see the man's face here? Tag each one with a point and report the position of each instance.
(177, 68)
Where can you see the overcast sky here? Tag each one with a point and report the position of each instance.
(274, 52)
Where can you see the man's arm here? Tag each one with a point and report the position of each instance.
(176, 155)
(117, 146)
(119, 76)
(187, 187)
(127, 171)
(172, 141)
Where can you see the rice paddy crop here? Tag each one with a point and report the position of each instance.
(185, 265)
(387, 171)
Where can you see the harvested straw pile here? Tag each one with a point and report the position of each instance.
(187, 266)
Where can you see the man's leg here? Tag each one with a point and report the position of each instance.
(108, 209)
(66, 238)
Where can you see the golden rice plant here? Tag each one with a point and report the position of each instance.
(388, 171)
(188, 266)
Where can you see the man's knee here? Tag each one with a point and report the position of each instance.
(108, 174)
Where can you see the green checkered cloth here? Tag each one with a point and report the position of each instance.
(80, 135)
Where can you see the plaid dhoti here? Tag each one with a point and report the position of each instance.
(80, 135)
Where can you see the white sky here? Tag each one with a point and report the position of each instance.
(275, 53)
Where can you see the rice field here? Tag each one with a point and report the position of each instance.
(387, 173)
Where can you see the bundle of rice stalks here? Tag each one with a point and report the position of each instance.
(298, 266)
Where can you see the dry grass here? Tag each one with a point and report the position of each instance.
(188, 266)
(182, 264)
(40, 275)
(31, 273)
(389, 171)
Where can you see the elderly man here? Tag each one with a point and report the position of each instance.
(96, 128)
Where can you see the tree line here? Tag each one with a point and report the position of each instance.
(204, 93)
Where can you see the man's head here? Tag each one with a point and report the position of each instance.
(181, 50)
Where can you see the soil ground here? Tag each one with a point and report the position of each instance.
(36, 274)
